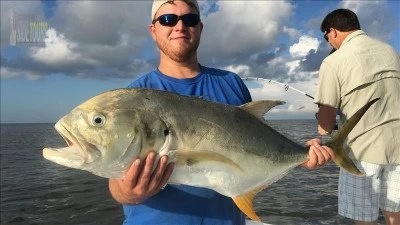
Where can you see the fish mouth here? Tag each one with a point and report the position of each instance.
(77, 153)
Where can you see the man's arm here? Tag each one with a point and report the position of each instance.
(319, 155)
(326, 119)
(140, 182)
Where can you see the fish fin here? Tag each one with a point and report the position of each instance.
(245, 202)
(342, 158)
(259, 108)
(190, 158)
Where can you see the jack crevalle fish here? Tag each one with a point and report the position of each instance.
(225, 148)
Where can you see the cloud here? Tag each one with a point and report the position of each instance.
(8, 73)
(292, 32)
(374, 17)
(305, 57)
(107, 39)
(253, 41)
(303, 47)
(244, 70)
(112, 35)
(110, 40)
(88, 37)
(85, 36)
(58, 51)
(18, 10)
(242, 28)
(313, 59)
(296, 103)
(103, 23)
(292, 65)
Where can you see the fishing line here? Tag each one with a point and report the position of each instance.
(287, 87)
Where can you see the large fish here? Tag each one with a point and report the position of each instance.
(225, 148)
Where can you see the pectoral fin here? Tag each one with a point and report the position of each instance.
(190, 158)
(245, 203)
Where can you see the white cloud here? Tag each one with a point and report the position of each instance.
(305, 44)
(357, 6)
(111, 39)
(296, 103)
(87, 36)
(108, 32)
(292, 32)
(242, 28)
(17, 10)
(243, 70)
(58, 51)
(293, 65)
(242, 36)
(7, 73)
(375, 17)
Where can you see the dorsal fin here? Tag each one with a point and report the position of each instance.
(259, 108)
(245, 202)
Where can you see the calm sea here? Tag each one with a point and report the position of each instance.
(37, 191)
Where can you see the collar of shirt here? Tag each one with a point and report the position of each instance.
(351, 36)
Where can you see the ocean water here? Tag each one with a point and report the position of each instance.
(37, 191)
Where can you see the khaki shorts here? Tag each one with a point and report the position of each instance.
(360, 198)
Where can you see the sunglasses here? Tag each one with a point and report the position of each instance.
(326, 35)
(171, 20)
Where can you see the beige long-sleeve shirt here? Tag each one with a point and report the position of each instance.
(363, 69)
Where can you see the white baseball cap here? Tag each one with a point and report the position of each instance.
(158, 3)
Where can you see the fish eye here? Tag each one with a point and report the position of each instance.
(98, 120)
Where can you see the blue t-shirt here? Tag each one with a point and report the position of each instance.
(181, 204)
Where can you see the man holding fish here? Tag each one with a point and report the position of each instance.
(176, 28)
(360, 69)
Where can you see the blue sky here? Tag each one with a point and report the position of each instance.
(92, 47)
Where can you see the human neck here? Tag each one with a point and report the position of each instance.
(342, 35)
(186, 69)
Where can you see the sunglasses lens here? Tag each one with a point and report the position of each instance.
(168, 20)
(171, 20)
(326, 35)
(190, 20)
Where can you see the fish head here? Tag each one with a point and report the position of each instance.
(101, 136)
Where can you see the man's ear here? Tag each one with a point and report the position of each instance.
(152, 30)
(335, 34)
(201, 26)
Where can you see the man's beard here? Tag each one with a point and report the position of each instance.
(180, 53)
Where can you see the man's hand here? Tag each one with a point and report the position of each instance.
(318, 155)
(140, 182)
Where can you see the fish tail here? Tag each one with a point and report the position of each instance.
(245, 202)
(342, 158)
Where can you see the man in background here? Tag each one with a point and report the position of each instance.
(360, 70)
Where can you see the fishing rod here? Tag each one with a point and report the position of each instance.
(287, 87)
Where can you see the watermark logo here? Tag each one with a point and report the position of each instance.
(26, 29)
